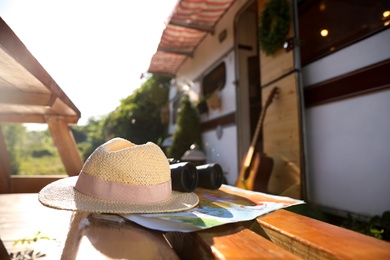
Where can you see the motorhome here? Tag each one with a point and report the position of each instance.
(327, 128)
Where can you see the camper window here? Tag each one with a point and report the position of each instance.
(214, 80)
(327, 26)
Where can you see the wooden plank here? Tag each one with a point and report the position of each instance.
(280, 235)
(5, 165)
(26, 98)
(32, 118)
(66, 145)
(15, 54)
(60, 108)
(31, 184)
(22, 216)
(16, 118)
(231, 241)
(281, 129)
(281, 134)
(313, 239)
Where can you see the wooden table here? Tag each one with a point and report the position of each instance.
(281, 235)
(22, 216)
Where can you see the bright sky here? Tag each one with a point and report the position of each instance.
(95, 50)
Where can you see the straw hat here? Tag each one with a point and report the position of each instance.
(120, 177)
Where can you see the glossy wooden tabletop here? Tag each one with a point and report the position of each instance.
(74, 235)
(82, 235)
(70, 235)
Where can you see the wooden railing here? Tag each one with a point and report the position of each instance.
(278, 235)
(281, 234)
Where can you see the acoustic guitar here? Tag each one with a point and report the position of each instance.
(257, 167)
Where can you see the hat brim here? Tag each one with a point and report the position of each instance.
(62, 195)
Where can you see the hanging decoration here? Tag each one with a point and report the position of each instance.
(275, 24)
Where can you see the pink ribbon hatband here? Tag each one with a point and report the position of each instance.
(119, 192)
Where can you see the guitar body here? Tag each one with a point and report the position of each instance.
(256, 176)
(257, 167)
(248, 173)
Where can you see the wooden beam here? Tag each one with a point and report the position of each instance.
(5, 165)
(34, 118)
(13, 47)
(26, 98)
(66, 145)
(31, 184)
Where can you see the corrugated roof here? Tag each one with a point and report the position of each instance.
(188, 25)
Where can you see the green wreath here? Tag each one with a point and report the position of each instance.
(275, 24)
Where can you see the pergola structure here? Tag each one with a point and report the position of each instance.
(28, 94)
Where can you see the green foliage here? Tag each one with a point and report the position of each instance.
(15, 136)
(187, 129)
(308, 210)
(137, 119)
(34, 239)
(45, 165)
(376, 226)
(39, 144)
(90, 136)
(29, 253)
(275, 24)
(40, 155)
(31, 152)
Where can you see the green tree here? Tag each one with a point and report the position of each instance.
(15, 136)
(187, 129)
(39, 144)
(89, 136)
(137, 119)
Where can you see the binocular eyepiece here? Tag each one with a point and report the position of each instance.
(186, 176)
(210, 176)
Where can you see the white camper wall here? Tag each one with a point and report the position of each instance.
(209, 54)
(349, 140)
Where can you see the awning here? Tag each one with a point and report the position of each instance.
(190, 22)
(28, 94)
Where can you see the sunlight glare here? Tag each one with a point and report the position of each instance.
(95, 50)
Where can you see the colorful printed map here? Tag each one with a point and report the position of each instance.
(216, 207)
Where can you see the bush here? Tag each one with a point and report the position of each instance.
(376, 226)
(187, 129)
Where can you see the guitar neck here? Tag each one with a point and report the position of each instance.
(252, 148)
(259, 126)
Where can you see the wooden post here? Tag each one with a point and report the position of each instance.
(66, 145)
(5, 166)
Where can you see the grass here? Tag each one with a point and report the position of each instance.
(45, 165)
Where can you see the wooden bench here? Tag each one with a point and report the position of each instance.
(280, 234)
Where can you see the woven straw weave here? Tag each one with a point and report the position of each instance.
(120, 161)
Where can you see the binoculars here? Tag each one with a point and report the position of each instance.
(186, 176)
